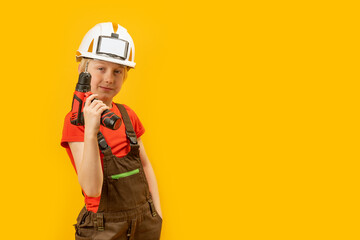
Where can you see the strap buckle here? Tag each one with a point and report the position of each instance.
(152, 207)
(99, 222)
(132, 137)
(102, 142)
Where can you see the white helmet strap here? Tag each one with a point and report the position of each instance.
(113, 46)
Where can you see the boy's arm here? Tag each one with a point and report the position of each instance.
(88, 165)
(150, 176)
(86, 154)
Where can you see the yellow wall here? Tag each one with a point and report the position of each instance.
(250, 110)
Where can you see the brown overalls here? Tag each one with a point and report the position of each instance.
(126, 210)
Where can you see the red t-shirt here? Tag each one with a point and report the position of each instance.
(116, 139)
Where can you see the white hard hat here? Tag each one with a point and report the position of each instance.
(108, 42)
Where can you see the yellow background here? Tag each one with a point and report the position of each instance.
(250, 110)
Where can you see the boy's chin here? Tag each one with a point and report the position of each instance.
(103, 97)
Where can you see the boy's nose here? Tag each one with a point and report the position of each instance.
(109, 78)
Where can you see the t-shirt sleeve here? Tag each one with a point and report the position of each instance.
(71, 133)
(138, 127)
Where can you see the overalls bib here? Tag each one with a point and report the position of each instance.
(126, 210)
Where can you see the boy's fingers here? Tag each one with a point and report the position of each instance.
(102, 108)
(99, 105)
(90, 98)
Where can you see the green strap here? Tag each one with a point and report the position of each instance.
(125, 174)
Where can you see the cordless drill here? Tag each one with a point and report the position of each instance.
(82, 92)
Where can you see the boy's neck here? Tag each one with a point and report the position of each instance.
(109, 104)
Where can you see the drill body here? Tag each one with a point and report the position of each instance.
(82, 91)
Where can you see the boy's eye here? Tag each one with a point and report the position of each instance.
(117, 71)
(100, 68)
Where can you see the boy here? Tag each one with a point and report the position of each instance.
(117, 179)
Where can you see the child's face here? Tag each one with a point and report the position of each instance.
(106, 79)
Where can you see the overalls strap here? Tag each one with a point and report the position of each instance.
(130, 133)
(103, 146)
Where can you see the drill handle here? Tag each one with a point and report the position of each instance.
(77, 117)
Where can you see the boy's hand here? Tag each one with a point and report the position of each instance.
(92, 113)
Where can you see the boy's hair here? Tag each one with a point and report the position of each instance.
(83, 62)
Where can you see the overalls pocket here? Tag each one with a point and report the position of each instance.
(153, 212)
(82, 229)
(159, 219)
(157, 213)
(125, 189)
(84, 233)
(77, 237)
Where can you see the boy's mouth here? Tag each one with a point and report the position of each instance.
(105, 88)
